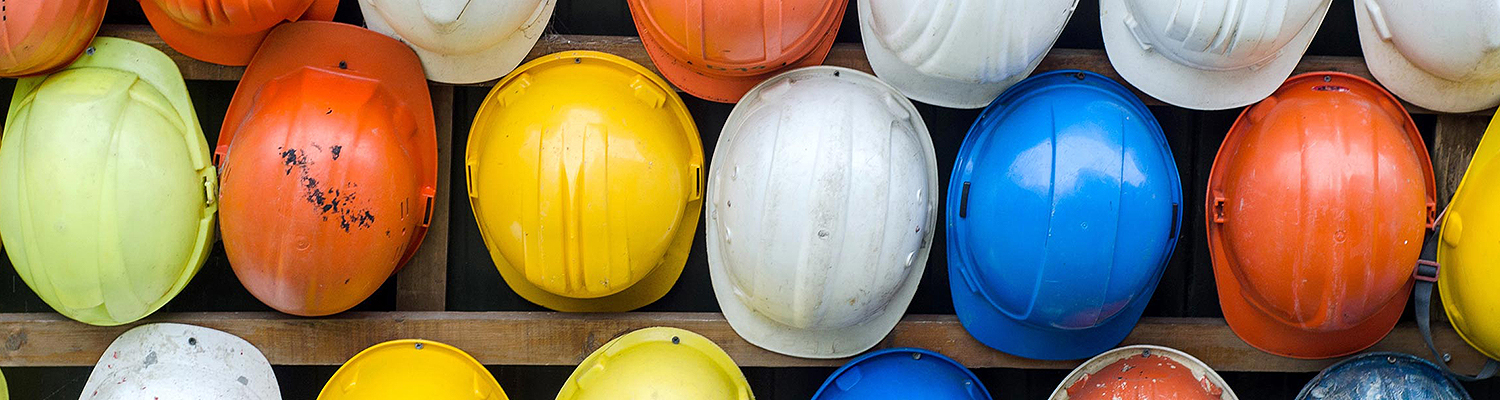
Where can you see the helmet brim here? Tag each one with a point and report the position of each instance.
(481, 66)
(1416, 85)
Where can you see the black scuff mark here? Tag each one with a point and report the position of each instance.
(293, 160)
(335, 150)
(329, 202)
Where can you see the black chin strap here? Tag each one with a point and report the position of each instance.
(1426, 274)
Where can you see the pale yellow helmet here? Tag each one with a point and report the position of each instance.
(658, 363)
(106, 192)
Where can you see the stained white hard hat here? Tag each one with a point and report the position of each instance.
(1140, 369)
(959, 54)
(821, 208)
(462, 41)
(1208, 54)
(176, 361)
(1441, 55)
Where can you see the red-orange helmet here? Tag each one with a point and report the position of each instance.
(1316, 209)
(328, 160)
(227, 31)
(39, 36)
(719, 49)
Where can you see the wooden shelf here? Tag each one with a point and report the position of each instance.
(560, 339)
(843, 54)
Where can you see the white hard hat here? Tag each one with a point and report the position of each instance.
(1208, 54)
(959, 54)
(1441, 55)
(1141, 369)
(462, 41)
(821, 208)
(176, 361)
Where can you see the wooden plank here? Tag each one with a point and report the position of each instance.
(562, 339)
(1453, 144)
(423, 284)
(849, 55)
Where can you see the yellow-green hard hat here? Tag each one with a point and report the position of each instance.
(658, 363)
(106, 192)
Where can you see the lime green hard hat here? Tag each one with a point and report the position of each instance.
(106, 190)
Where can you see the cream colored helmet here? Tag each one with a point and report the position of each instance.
(1441, 55)
(959, 54)
(1208, 54)
(462, 41)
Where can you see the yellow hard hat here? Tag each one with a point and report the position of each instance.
(658, 363)
(412, 369)
(1469, 251)
(584, 172)
(4, 392)
(106, 192)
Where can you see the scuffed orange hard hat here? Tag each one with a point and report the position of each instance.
(719, 49)
(227, 31)
(328, 160)
(1316, 209)
(39, 36)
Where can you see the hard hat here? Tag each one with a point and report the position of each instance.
(1383, 376)
(105, 184)
(959, 54)
(41, 36)
(1315, 211)
(176, 361)
(462, 41)
(822, 202)
(902, 373)
(412, 369)
(1143, 372)
(719, 49)
(657, 363)
(329, 160)
(1441, 55)
(583, 172)
(1466, 250)
(4, 392)
(227, 32)
(1047, 180)
(1208, 54)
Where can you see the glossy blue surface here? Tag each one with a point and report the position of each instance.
(1383, 376)
(902, 374)
(1072, 211)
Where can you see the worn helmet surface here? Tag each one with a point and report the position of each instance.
(1440, 55)
(40, 36)
(1383, 376)
(659, 364)
(1143, 372)
(462, 41)
(176, 361)
(227, 32)
(107, 198)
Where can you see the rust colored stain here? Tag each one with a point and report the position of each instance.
(1144, 377)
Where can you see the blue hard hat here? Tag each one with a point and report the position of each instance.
(1062, 212)
(902, 373)
(1383, 376)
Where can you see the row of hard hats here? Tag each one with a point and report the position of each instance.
(167, 360)
(323, 177)
(953, 54)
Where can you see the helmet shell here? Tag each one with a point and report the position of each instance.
(584, 172)
(462, 41)
(1383, 376)
(902, 373)
(176, 361)
(822, 206)
(1443, 56)
(1316, 210)
(959, 53)
(41, 36)
(660, 364)
(719, 49)
(227, 32)
(1046, 185)
(329, 160)
(412, 369)
(105, 183)
(1208, 54)
(1143, 372)
(1468, 249)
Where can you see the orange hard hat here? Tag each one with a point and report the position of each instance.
(39, 36)
(227, 31)
(328, 166)
(719, 49)
(1316, 209)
